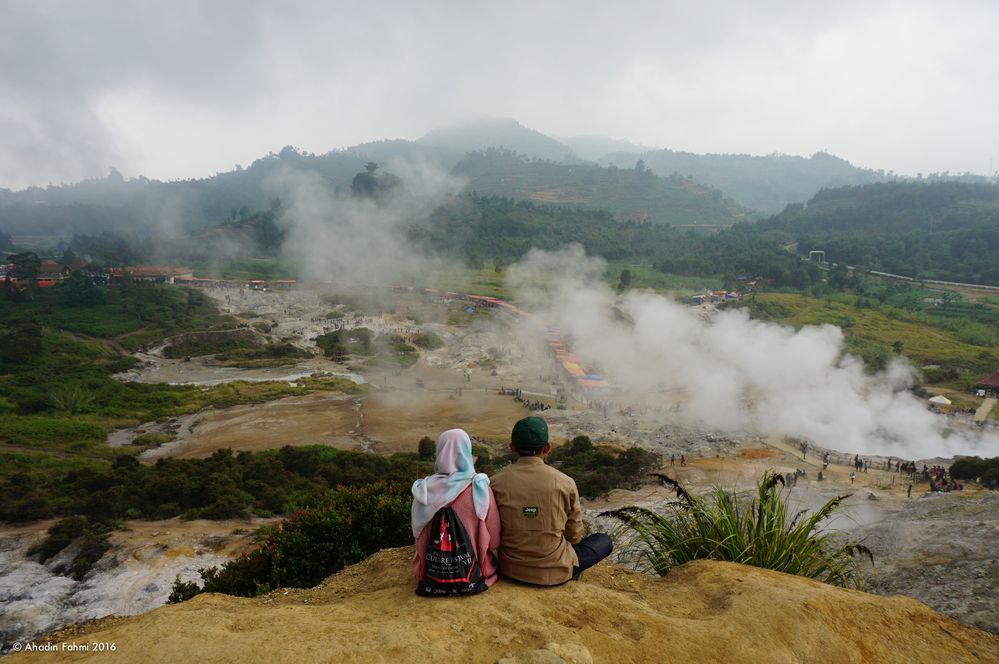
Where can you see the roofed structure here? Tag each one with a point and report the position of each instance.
(990, 384)
(158, 273)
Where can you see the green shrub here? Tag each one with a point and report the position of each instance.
(426, 449)
(724, 526)
(347, 526)
(483, 459)
(392, 350)
(153, 439)
(92, 548)
(428, 341)
(211, 343)
(975, 468)
(219, 487)
(93, 543)
(337, 345)
(598, 470)
(268, 352)
(60, 535)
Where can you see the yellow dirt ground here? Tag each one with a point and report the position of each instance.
(705, 611)
(388, 421)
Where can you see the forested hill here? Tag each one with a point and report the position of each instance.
(634, 193)
(193, 206)
(765, 183)
(450, 144)
(930, 230)
(139, 204)
(115, 203)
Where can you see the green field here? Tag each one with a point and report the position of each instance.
(460, 279)
(646, 276)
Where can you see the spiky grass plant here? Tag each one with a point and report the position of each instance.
(760, 532)
(71, 400)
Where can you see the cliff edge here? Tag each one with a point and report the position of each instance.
(702, 612)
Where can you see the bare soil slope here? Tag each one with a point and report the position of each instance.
(702, 612)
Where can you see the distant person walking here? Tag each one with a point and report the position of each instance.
(672, 460)
(908, 493)
(853, 477)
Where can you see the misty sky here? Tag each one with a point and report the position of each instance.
(177, 89)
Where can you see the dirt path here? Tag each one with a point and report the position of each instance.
(8, 447)
(983, 411)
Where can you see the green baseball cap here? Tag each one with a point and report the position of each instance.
(530, 434)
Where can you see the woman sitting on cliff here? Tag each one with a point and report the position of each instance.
(455, 523)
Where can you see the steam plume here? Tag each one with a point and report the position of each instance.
(333, 236)
(732, 373)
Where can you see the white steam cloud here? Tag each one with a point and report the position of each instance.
(732, 373)
(336, 237)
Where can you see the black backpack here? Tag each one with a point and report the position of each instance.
(450, 566)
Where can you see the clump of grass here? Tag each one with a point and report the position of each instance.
(71, 399)
(761, 532)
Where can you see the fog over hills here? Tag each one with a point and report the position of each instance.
(692, 188)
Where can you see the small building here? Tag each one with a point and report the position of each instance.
(989, 384)
(157, 274)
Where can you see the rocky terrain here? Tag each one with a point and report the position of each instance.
(934, 548)
(703, 612)
(135, 575)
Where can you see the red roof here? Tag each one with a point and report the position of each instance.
(990, 381)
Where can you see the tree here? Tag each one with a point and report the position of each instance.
(23, 267)
(426, 449)
(371, 184)
(79, 290)
(625, 279)
(27, 265)
(20, 341)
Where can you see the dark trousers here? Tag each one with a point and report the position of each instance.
(590, 551)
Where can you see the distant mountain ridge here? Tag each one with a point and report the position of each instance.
(452, 143)
(194, 205)
(676, 187)
(766, 183)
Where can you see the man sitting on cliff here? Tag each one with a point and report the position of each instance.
(539, 512)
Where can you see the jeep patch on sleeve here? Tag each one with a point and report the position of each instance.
(531, 512)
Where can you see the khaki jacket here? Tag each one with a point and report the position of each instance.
(540, 519)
